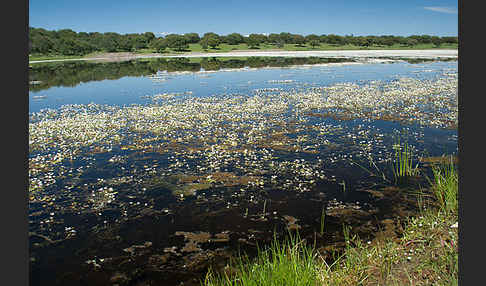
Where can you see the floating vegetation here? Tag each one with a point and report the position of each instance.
(245, 160)
(277, 138)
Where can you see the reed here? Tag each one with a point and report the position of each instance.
(323, 217)
(445, 186)
(403, 166)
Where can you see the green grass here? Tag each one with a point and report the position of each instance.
(291, 263)
(403, 166)
(446, 186)
(222, 48)
(426, 252)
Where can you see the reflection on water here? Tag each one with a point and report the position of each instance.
(155, 178)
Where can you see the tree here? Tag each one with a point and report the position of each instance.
(210, 39)
(159, 44)
(280, 44)
(323, 39)
(410, 42)
(70, 47)
(311, 37)
(422, 39)
(110, 42)
(363, 41)
(192, 38)
(125, 43)
(211, 34)
(137, 41)
(41, 44)
(314, 43)
(262, 38)
(148, 38)
(450, 40)
(235, 39)
(176, 42)
(389, 40)
(335, 39)
(299, 40)
(213, 42)
(286, 37)
(274, 38)
(66, 33)
(254, 40)
(437, 41)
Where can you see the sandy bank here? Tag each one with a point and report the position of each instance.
(355, 54)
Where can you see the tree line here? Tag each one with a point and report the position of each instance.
(68, 42)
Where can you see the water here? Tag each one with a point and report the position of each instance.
(131, 90)
(154, 179)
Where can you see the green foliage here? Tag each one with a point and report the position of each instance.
(298, 40)
(176, 42)
(290, 263)
(334, 40)
(210, 39)
(426, 253)
(159, 45)
(314, 43)
(68, 42)
(403, 166)
(210, 64)
(274, 38)
(192, 38)
(446, 186)
(235, 39)
(253, 40)
(311, 37)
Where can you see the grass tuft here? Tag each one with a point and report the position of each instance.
(445, 186)
(403, 166)
(289, 263)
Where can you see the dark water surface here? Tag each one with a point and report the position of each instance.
(149, 180)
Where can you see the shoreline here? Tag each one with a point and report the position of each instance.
(362, 54)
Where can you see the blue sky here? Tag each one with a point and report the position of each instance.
(357, 17)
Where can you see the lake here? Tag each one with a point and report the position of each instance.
(151, 172)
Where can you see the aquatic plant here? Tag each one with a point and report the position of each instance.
(264, 205)
(403, 166)
(323, 217)
(445, 186)
(343, 183)
(372, 162)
